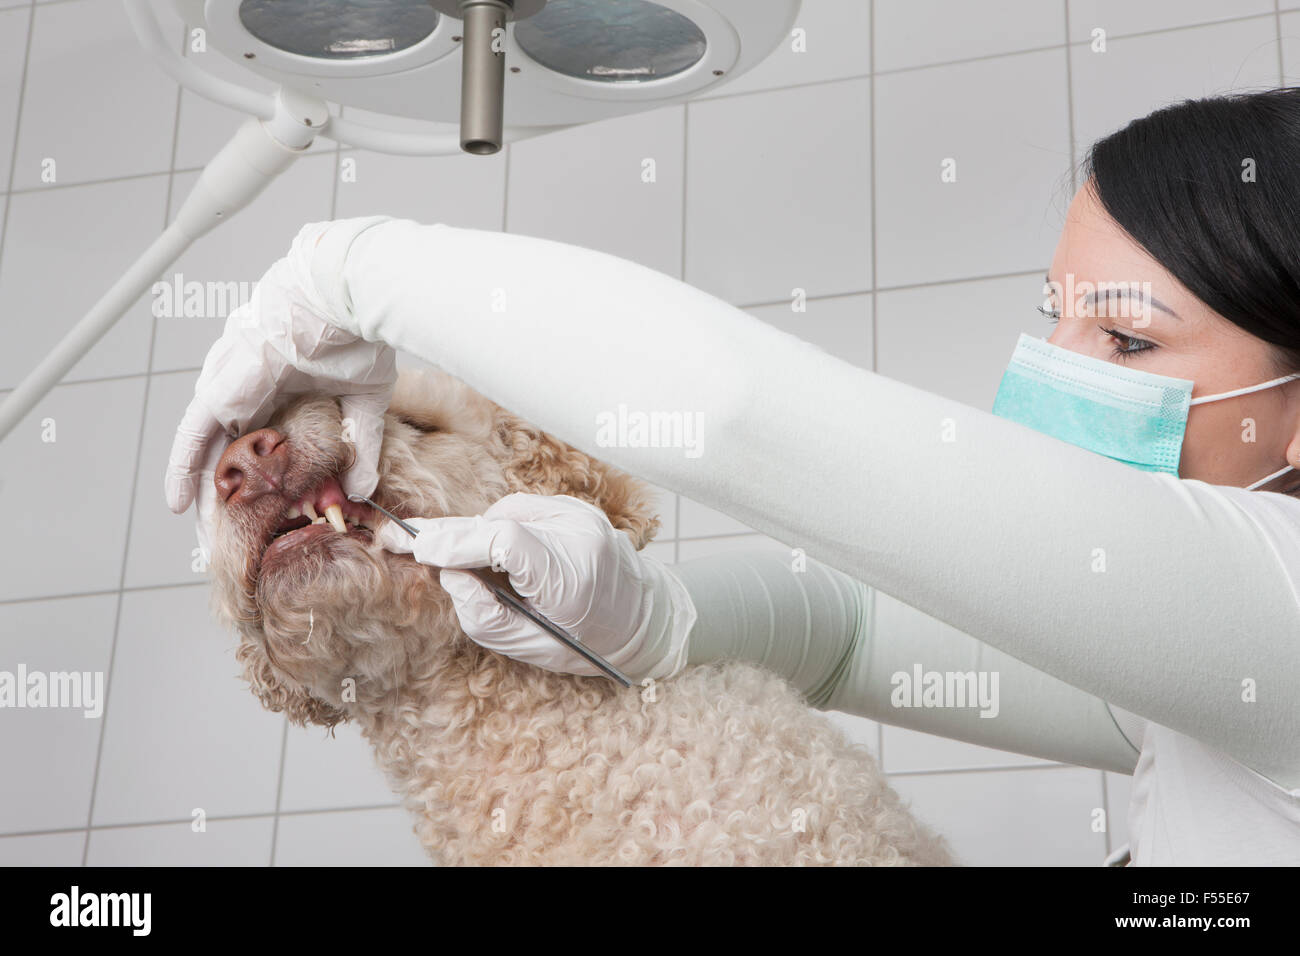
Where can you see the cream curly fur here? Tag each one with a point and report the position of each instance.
(504, 763)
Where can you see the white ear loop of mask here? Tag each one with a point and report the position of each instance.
(1246, 391)
(1276, 474)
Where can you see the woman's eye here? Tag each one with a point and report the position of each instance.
(1126, 345)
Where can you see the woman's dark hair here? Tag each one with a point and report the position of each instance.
(1211, 189)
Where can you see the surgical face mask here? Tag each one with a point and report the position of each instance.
(1131, 416)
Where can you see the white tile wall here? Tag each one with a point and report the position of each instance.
(1113, 87)
(775, 202)
(1118, 790)
(1001, 125)
(93, 104)
(840, 325)
(238, 253)
(465, 191)
(75, 455)
(1022, 817)
(615, 186)
(1118, 17)
(1291, 47)
(49, 753)
(52, 274)
(921, 32)
(45, 849)
(699, 521)
(980, 320)
(13, 44)
(911, 751)
(219, 843)
(355, 838)
(807, 174)
(163, 546)
(835, 44)
(323, 772)
(181, 732)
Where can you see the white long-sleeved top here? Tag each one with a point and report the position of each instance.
(1170, 603)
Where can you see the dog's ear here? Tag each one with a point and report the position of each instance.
(539, 464)
(278, 691)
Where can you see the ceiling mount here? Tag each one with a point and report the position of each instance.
(520, 9)
(483, 66)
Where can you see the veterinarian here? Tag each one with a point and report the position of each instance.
(1119, 542)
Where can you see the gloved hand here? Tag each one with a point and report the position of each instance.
(278, 345)
(569, 563)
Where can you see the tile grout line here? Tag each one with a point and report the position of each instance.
(105, 181)
(118, 378)
(505, 189)
(18, 118)
(681, 274)
(153, 174)
(74, 595)
(961, 61)
(1277, 25)
(1105, 809)
(130, 505)
(686, 161)
(901, 287)
(991, 768)
(1069, 102)
(279, 789)
(871, 160)
(224, 818)
(875, 275)
(723, 536)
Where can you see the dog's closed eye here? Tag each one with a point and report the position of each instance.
(426, 425)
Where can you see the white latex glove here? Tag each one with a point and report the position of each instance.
(569, 563)
(278, 345)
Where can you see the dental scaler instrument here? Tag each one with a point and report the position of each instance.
(506, 596)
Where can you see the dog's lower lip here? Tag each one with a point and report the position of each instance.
(299, 536)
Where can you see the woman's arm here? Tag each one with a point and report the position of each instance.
(851, 649)
(1162, 596)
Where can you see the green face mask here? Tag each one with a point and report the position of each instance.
(1135, 417)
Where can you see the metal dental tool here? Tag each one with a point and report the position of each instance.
(507, 597)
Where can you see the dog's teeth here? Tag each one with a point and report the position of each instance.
(334, 514)
(310, 511)
(293, 513)
(317, 520)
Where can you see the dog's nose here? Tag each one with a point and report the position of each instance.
(252, 466)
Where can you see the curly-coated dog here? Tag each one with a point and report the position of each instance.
(499, 761)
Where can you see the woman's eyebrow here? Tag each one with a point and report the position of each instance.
(1119, 290)
(1126, 290)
